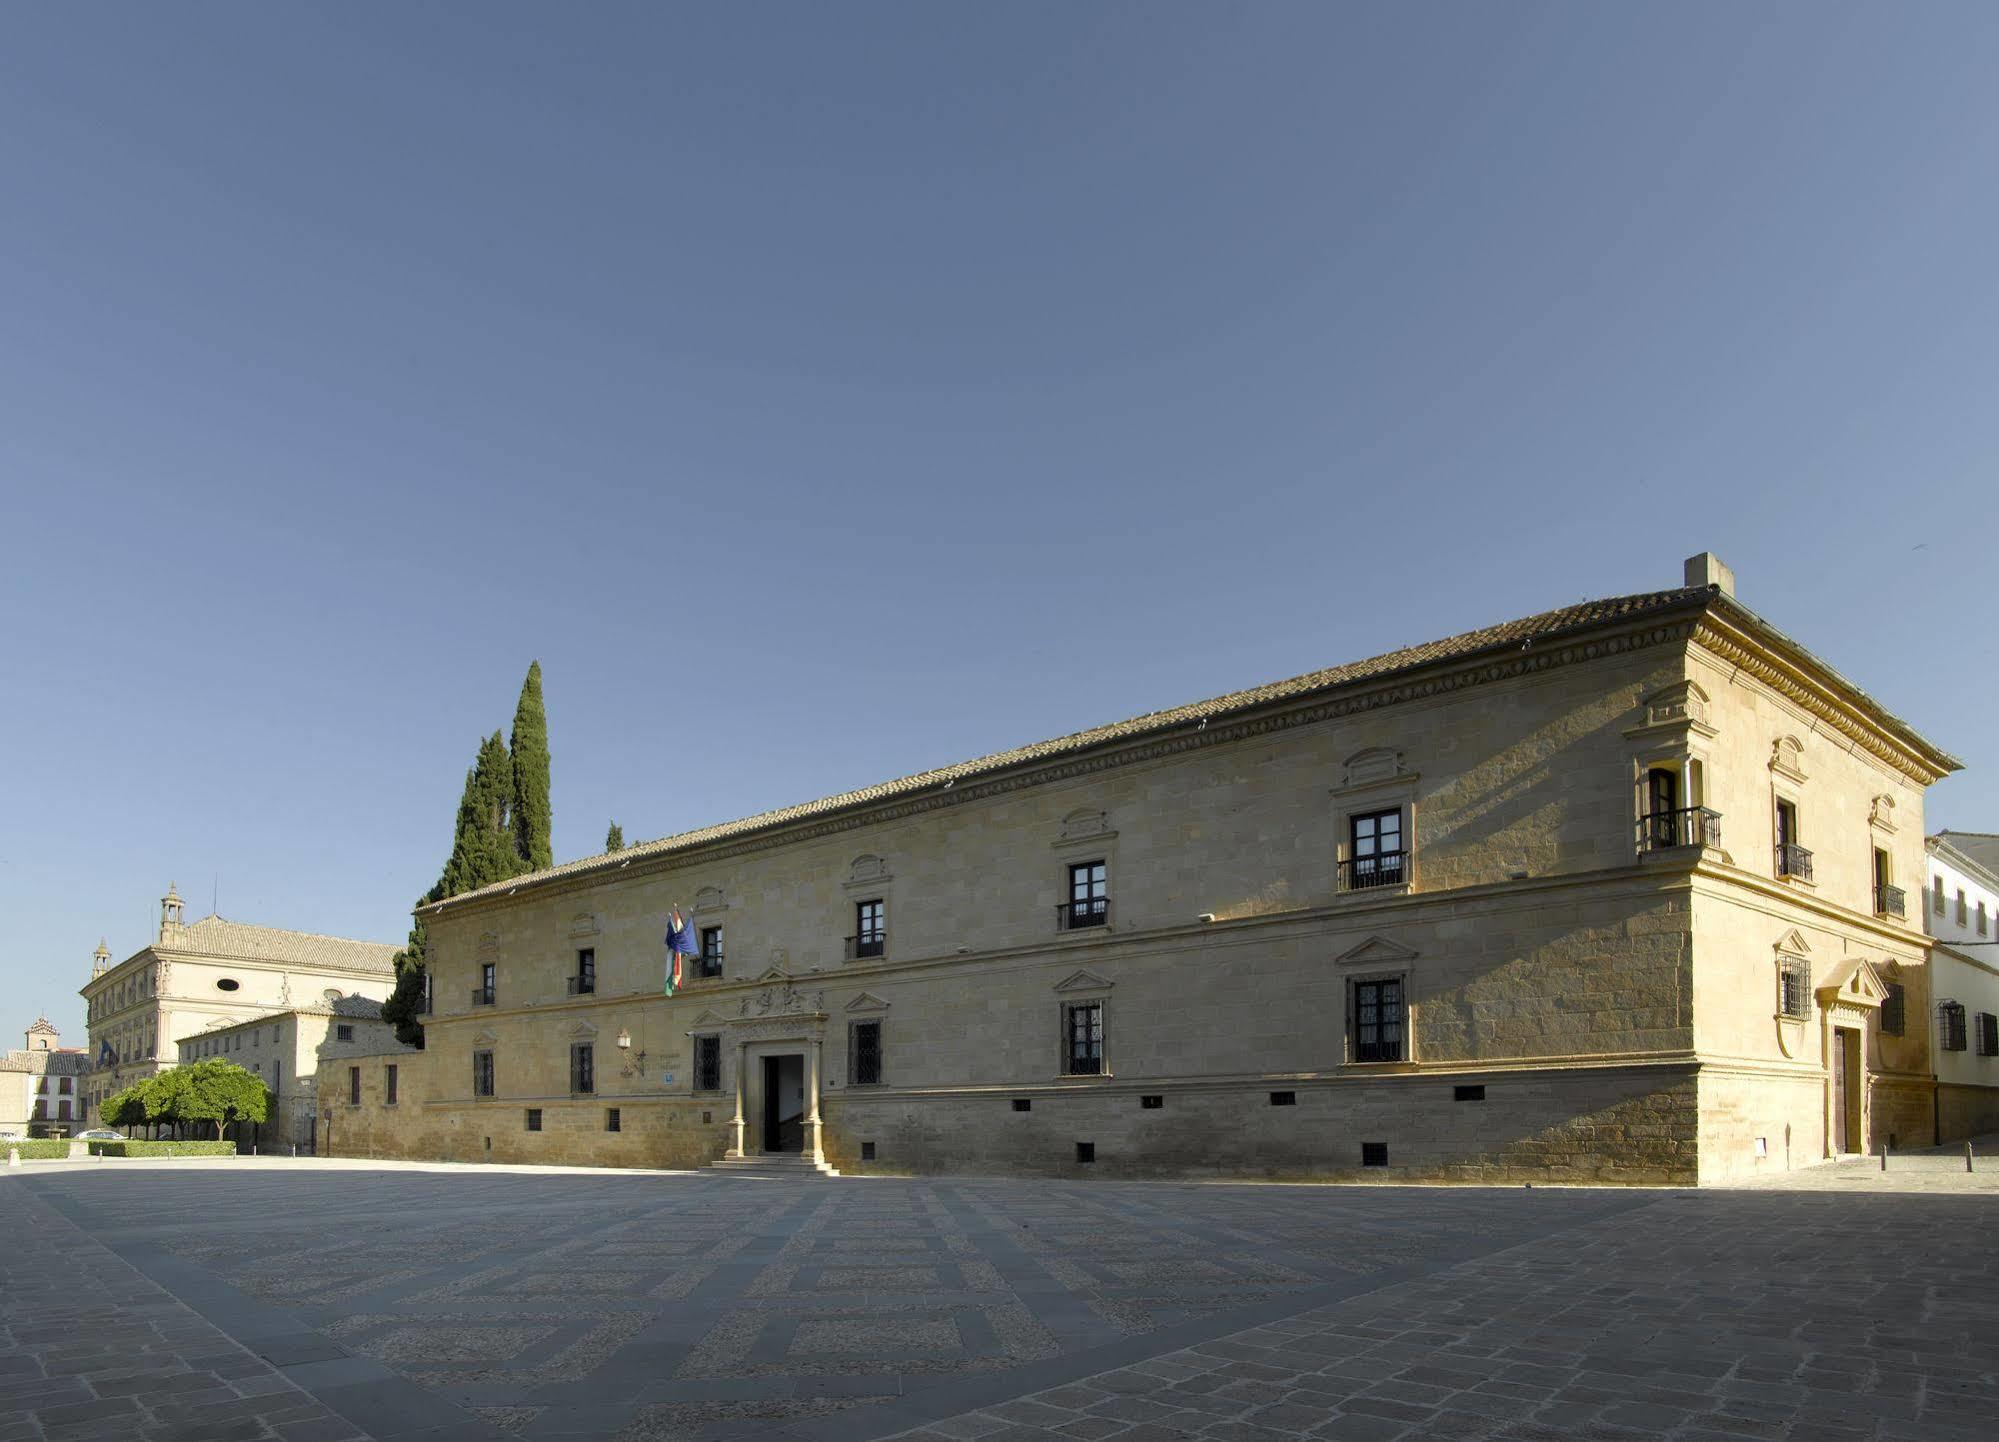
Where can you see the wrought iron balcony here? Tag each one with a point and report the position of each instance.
(1689, 826)
(1384, 868)
(1075, 915)
(1890, 901)
(482, 996)
(582, 986)
(860, 948)
(1793, 860)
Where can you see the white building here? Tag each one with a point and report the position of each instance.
(41, 1092)
(1961, 905)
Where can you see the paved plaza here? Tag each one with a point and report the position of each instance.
(338, 1302)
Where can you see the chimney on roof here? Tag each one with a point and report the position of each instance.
(1706, 569)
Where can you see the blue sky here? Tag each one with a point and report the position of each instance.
(823, 393)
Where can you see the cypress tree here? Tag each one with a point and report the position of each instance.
(532, 817)
(614, 839)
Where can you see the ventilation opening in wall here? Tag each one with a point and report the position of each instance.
(867, 1151)
(1023, 1104)
(1374, 1154)
(489, 1144)
(1468, 1094)
(1284, 1099)
(707, 1118)
(1086, 1151)
(1152, 1104)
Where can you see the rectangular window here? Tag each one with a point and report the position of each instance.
(586, 972)
(353, 1086)
(534, 1119)
(1374, 1154)
(614, 1120)
(482, 1073)
(1083, 1039)
(1950, 1026)
(1936, 898)
(582, 1068)
(1375, 855)
(870, 928)
(1792, 858)
(1961, 918)
(1794, 987)
(343, 1033)
(711, 951)
(1086, 1151)
(1987, 1032)
(1378, 1020)
(1284, 1099)
(864, 1054)
(1151, 1103)
(1089, 901)
(707, 1063)
(1981, 918)
(1895, 1009)
(389, 1084)
(1023, 1104)
(867, 1151)
(1468, 1094)
(1887, 896)
(487, 989)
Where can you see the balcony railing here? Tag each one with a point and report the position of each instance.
(482, 996)
(1690, 826)
(1890, 901)
(1090, 911)
(860, 948)
(1794, 861)
(1384, 868)
(582, 986)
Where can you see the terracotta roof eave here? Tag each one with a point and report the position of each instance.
(1505, 638)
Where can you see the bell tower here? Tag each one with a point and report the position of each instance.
(173, 930)
(100, 960)
(42, 1036)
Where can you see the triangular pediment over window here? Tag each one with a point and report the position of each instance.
(1794, 944)
(583, 1031)
(485, 1038)
(1375, 951)
(867, 1001)
(1083, 981)
(708, 1018)
(775, 973)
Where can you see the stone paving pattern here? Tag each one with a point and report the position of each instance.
(460, 1303)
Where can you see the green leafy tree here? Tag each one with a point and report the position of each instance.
(213, 1093)
(125, 1108)
(532, 816)
(614, 839)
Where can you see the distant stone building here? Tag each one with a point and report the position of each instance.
(287, 1049)
(212, 973)
(41, 1091)
(1962, 906)
(1610, 893)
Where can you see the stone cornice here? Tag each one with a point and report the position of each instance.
(1418, 684)
(1754, 648)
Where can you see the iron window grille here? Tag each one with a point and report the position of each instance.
(1890, 901)
(1375, 853)
(870, 936)
(1895, 1010)
(389, 1080)
(424, 1007)
(582, 1068)
(353, 1086)
(343, 1033)
(614, 1120)
(1379, 1020)
(487, 989)
(1794, 861)
(1950, 1026)
(711, 951)
(707, 1063)
(534, 1119)
(864, 1054)
(1794, 987)
(1089, 902)
(482, 1073)
(1083, 1039)
(1987, 1031)
(584, 983)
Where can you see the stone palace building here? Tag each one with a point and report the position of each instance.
(1618, 892)
(212, 973)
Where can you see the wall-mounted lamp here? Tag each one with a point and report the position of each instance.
(1205, 916)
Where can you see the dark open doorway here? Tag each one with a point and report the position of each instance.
(784, 1103)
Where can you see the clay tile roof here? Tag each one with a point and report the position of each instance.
(1506, 635)
(215, 936)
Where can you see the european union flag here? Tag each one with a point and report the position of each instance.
(680, 943)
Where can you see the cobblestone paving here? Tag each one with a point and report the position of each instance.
(463, 1303)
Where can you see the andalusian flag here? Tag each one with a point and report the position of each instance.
(680, 944)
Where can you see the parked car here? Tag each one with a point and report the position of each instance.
(100, 1134)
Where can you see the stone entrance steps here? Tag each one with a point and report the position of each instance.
(794, 1166)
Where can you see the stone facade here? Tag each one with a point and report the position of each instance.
(212, 973)
(289, 1050)
(41, 1091)
(1545, 852)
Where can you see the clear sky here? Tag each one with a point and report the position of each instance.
(826, 392)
